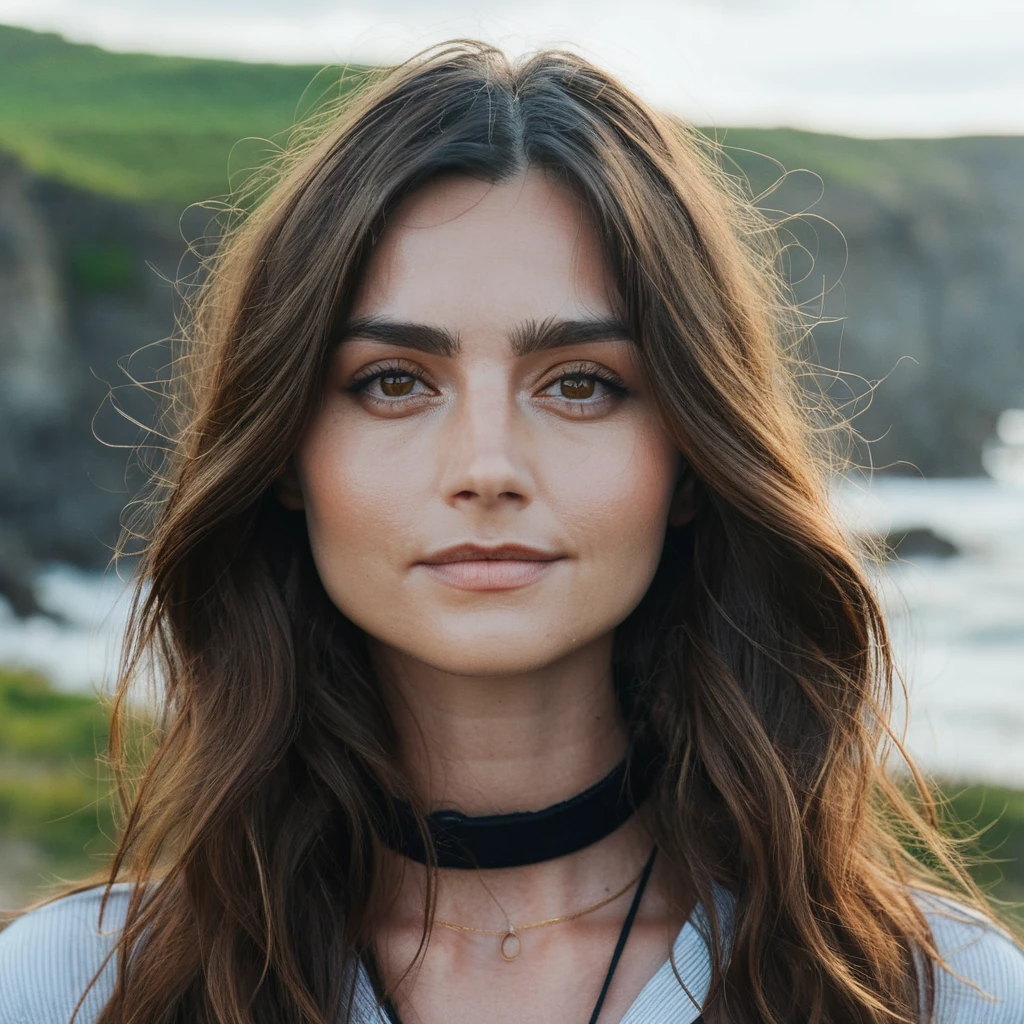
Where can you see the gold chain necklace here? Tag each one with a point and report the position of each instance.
(511, 945)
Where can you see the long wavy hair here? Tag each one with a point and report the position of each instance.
(760, 670)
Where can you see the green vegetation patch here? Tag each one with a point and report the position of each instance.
(995, 815)
(54, 791)
(885, 167)
(37, 722)
(144, 127)
(104, 267)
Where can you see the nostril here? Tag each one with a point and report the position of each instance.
(488, 497)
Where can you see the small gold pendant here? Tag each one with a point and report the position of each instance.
(511, 946)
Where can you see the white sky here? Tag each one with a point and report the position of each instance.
(861, 67)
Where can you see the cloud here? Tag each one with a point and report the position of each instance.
(296, 9)
(932, 74)
(236, 8)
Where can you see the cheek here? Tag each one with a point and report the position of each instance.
(615, 502)
(357, 504)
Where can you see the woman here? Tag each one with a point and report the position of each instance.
(493, 499)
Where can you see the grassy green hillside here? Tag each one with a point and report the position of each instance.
(167, 129)
(55, 814)
(144, 127)
(885, 167)
(997, 814)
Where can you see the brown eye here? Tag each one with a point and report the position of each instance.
(394, 385)
(577, 387)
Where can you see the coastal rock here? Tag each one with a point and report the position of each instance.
(916, 249)
(80, 290)
(920, 540)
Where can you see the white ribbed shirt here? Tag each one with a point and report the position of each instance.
(48, 956)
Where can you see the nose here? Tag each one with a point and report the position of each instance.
(483, 452)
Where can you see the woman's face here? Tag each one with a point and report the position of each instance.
(486, 482)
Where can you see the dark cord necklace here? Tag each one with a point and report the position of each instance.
(520, 838)
(627, 926)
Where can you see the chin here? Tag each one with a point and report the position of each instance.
(488, 661)
(502, 650)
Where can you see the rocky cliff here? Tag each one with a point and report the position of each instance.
(83, 284)
(923, 264)
(920, 249)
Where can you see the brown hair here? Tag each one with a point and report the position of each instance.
(763, 676)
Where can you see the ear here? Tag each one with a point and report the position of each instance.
(288, 489)
(684, 499)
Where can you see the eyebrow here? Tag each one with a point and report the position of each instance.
(526, 337)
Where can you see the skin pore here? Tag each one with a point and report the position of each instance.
(461, 416)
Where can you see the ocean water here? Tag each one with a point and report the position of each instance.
(957, 623)
(80, 653)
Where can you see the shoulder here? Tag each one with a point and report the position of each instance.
(979, 952)
(49, 955)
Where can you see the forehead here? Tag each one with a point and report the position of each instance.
(464, 253)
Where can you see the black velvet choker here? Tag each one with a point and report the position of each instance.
(525, 837)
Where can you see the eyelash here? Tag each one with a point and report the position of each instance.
(378, 370)
(591, 371)
(578, 371)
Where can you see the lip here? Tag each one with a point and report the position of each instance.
(489, 553)
(483, 567)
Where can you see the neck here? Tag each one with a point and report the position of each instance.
(497, 744)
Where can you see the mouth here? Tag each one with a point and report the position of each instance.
(500, 567)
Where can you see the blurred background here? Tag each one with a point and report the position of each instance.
(900, 126)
